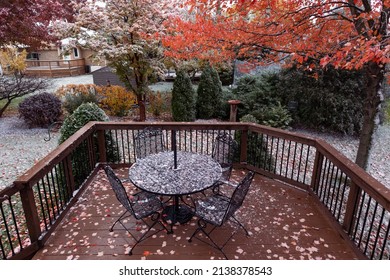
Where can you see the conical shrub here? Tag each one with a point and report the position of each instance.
(183, 98)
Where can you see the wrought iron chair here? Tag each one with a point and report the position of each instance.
(149, 141)
(217, 209)
(141, 205)
(224, 151)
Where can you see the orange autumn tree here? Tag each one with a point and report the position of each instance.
(348, 34)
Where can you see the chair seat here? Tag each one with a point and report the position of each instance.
(212, 209)
(144, 204)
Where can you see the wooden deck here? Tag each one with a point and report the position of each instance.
(45, 71)
(55, 68)
(284, 223)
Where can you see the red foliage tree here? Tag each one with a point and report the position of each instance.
(26, 22)
(349, 34)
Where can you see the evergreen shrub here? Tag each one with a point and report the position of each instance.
(226, 74)
(274, 115)
(331, 102)
(259, 98)
(183, 98)
(209, 94)
(81, 116)
(258, 153)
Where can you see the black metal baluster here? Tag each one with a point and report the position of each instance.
(299, 164)
(15, 223)
(271, 154)
(288, 158)
(329, 188)
(54, 192)
(342, 196)
(378, 233)
(364, 220)
(371, 224)
(307, 163)
(385, 240)
(293, 163)
(7, 229)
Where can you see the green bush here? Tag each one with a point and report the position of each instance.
(226, 74)
(257, 153)
(75, 95)
(81, 116)
(40, 110)
(249, 119)
(255, 93)
(183, 98)
(227, 95)
(259, 98)
(209, 99)
(217, 94)
(331, 102)
(274, 115)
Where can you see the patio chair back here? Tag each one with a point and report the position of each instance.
(217, 209)
(224, 150)
(149, 141)
(119, 189)
(143, 205)
(239, 195)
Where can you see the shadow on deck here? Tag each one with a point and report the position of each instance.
(284, 223)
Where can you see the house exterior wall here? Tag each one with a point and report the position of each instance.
(51, 54)
(88, 55)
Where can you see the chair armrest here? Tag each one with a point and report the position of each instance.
(230, 183)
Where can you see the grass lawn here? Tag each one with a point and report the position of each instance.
(13, 107)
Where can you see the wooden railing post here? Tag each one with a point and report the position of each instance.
(353, 198)
(316, 177)
(30, 211)
(102, 146)
(244, 146)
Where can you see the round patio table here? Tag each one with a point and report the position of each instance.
(156, 174)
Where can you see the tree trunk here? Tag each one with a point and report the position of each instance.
(141, 106)
(371, 107)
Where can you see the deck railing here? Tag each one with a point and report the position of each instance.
(55, 67)
(357, 204)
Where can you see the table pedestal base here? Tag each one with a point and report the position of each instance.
(181, 214)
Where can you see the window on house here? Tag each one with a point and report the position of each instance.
(33, 56)
(76, 52)
(65, 54)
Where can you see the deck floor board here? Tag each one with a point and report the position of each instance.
(284, 223)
